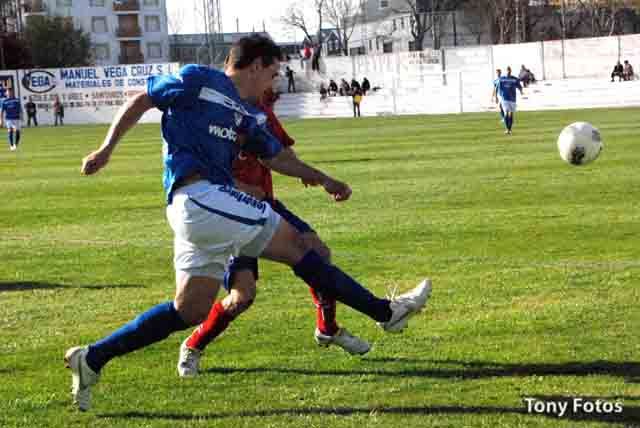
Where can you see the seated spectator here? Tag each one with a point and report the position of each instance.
(526, 76)
(366, 86)
(333, 88)
(345, 89)
(627, 72)
(323, 92)
(618, 71)
(355, 85)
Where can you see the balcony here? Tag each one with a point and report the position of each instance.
(131, 58)
(128, 32)
(34, 7)
(126, 6)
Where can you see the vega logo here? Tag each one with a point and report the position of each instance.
(39, 81)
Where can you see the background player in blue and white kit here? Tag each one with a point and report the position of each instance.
(204, 113)
(11, 116)
(507, 87)
(496, 97)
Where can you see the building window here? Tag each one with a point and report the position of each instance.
(394, 25)
(154, 50)
(151, 3)
(387, 47)
(96, 3)
(384, 4)
(402, 23)
(412, 45)
(64, 3)
(99, 24)
(377, 44)
(152, 23)
(370, 45)
(101, 52)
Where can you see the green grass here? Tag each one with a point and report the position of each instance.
(535, 266)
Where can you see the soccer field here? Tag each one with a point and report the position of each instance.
(535, 266)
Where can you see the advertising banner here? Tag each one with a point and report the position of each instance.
(88, 94)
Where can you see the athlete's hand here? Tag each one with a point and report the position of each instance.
(339, 190)
(95, 161)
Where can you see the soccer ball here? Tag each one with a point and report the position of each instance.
(579, 143)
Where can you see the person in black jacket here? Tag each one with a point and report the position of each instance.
(618, 70)
(366, 86)
(31, 109)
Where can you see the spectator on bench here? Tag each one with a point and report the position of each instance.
(366, 86)
(627, 73)
(526, 76)
(323, 92)
(618, 71)
(345, 89)
(333, 88)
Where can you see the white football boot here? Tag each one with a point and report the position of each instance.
(189, 361)
(347, 341)
(82, 376)
(405, 306)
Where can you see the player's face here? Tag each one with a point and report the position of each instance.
(266, 76)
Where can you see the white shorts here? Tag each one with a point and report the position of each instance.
(213, 222)
(13, 124)
(508, 106)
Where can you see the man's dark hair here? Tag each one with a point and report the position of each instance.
(247, 49)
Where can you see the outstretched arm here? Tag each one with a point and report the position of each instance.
(286, 162)
(128, 115)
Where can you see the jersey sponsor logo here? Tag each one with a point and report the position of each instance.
(39, 81)
(244, 198)
(224, 133)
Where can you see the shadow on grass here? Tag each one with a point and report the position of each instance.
(362, 160)
(625, 369)
(35, 285)
(469, 370)
(629, 414)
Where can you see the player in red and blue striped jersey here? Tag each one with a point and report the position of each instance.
(253, 177)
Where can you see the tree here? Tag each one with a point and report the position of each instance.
(54, 43)
(343, 15)
(603, 16)
(428, 16)
(13, 53)
(295, 16)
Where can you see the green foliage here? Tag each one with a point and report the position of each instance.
(535, 264)
(54, 42)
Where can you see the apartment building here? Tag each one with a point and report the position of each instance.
(122, 31)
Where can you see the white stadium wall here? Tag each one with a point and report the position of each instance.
(89, 94)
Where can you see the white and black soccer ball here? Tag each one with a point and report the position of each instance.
(580, 143)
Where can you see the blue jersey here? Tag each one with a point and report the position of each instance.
(496, 85)
(202, 117)
(11, 108)
(508, 86)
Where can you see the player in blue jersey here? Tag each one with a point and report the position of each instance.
(207, 119)
(507, 87)
(11, 116)
(496, 96)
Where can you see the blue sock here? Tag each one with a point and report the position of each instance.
(509, 122)
(327, 279)
(11, 137)
(150, 327)
(17, 137)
